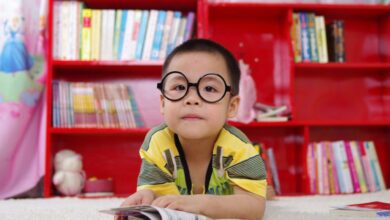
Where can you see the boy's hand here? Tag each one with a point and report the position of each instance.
(191, 203)
(142, 197)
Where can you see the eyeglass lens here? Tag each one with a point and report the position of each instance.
(211, 87)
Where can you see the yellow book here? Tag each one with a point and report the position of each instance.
(95, 34)
(86, 34)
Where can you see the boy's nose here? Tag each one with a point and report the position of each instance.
(192, 97)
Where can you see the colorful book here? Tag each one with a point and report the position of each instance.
(142, 34)
(86, 34)
(296, 37)
(274, 170)
(377, 171)
(321, 39)
(358, 165)
(368, 173)
(147, 50)
(311, 27)
(351, 165)
(305, 38)
(158, 35)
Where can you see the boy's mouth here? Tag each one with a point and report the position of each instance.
(191, 117)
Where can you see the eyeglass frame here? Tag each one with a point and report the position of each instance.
(196, 85)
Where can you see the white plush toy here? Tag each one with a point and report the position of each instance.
(69, 177)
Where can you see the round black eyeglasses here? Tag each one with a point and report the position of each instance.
(211, 87)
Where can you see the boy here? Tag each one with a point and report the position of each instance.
(192, 159)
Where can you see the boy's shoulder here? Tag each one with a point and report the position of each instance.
(160, 132)
(229, 131)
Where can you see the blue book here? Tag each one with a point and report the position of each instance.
(174, 32)
(141, 35)
(305, 37)
(274, 170)
(135, 111)
(122, 34)
(189, 26)
(162, 15)
(338, 160)
(55, 104)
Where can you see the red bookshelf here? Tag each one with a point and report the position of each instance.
(106, 152)
(332, 101)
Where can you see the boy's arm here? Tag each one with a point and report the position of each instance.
(241, 205)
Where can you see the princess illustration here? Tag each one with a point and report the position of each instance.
(14, 57)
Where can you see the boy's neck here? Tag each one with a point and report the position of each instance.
(198, 149)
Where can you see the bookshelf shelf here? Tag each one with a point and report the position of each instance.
(144, 69)
(142, 4)
(342, 66)
(103, 131)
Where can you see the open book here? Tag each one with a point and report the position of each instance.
(153, 213)
(370, 209)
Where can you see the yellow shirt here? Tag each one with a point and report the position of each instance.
(234, 162)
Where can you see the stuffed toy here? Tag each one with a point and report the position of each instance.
(246, 112)
(69, 177)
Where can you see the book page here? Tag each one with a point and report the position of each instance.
(153, 213)
(170, 214)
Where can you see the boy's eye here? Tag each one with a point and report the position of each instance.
(180, 88)
(210, 89)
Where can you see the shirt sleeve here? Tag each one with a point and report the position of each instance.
(154, 176)
(248, 172)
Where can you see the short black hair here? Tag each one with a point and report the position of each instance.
(205, 45)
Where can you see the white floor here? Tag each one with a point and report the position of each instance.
(298, 207)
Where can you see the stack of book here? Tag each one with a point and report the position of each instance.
(313, 41)
(344, 167)
(94, 105)
(124, 35)
(268, 113)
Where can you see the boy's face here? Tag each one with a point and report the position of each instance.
(192, 117)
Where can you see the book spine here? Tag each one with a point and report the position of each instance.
(339, 42)
(86, 35)
(142, 34)
(311, 167)
(139, 122)
(321, 39)
(274, 171)
(296, 37)
(122, 34)
(96, 34)
(174, 32)
(147, 50)
(167, 29)
(377, 168)
(304, 38)
(358, 166)
(312, 37)
(367, 167)
(117, 28)
(189, 26)
(331, 179)
(351, 165)
(320, 168)
(334, 168)
(134, 36)
(162, 15)
(339, 165)
(128, 32)
(345, 168)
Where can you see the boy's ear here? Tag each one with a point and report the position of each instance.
(162, 104)
(233, 106)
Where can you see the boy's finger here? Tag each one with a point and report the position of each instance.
(146, 200)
